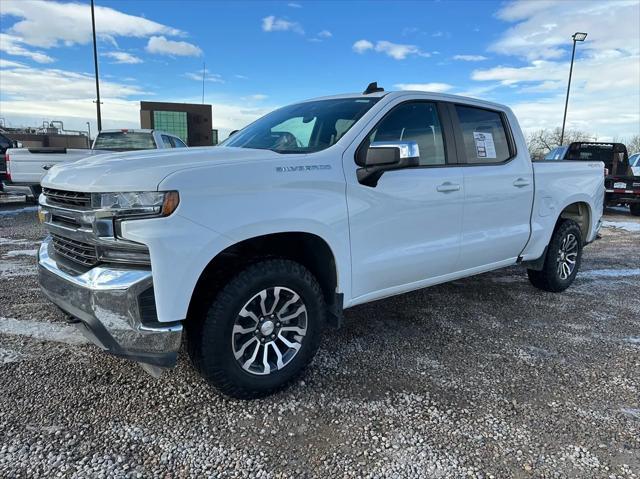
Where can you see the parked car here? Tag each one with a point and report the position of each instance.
(252, 247)
(27, 166)
(634, 162)
(557, 153)
(622, 186)
(5, 144)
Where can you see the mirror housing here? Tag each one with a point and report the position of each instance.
(384, 156)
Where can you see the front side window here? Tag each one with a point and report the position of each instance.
(483, 134)
(302, 128)
(414, 121)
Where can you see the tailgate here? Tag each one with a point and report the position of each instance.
(29, 165)
(629, 185)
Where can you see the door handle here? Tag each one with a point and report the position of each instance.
(47, 167)
(520, 183)
(448, 187)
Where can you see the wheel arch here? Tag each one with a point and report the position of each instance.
(308, 249)
(580, 212)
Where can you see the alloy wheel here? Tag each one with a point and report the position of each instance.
(269, 330)
(567, 256)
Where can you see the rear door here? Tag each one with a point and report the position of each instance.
(406, 229)
(498, 185)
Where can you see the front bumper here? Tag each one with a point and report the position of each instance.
(106, 304)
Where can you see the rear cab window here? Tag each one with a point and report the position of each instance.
(124, 141)
(484, 135)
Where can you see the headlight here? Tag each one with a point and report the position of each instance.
(146, 203)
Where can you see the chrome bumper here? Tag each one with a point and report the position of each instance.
(105, 303)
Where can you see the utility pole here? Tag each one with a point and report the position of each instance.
(204, 71)
(95, 61)
(89, 133)
(577, 37)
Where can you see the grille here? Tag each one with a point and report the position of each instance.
(76, 251)
(70, 198)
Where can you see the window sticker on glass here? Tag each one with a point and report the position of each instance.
(485, 147)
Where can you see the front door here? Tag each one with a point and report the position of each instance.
(406, 229)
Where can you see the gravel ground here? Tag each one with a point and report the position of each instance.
(483, 377)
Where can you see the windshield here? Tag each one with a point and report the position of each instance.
(124, 141)
(304, 127)
(634, 160)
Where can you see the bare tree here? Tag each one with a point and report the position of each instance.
(540, 142)
(633, 144)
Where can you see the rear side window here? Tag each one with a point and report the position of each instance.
(414, 121)
(483, 134)
(178, 143)
(166, 141)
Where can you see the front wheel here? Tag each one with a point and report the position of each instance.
(261, 330)
(562, 261)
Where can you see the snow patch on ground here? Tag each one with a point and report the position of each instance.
(622, 225)
(633, 340)
(11, 241)
(609, 273)
(13, 269)
(21, 252)
(9, 213)
(8, 356)
(61, 333)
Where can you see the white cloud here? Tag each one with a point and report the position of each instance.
(432, 87)
(32, 84)
(544, 28)
(275, 24)
(208, 76)
(48, 24)
(294, 5)
(325, 34)
(10, 45)
(470, 58)
(362, 46)
(161, 46)
(123, 57)
(10, 64)
(32, 94)
(397, 51)
(258, 97)
(605, 88)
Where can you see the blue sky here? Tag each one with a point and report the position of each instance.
(260, 55)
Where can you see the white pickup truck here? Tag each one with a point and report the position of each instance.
(27, 166)
(253, 246)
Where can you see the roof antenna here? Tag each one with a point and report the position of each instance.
(372, 88)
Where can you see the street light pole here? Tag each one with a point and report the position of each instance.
(89, 133)
(95, 61)
(577, 37)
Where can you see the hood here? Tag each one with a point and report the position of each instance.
(141, 170)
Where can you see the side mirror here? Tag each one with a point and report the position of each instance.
(387, 156)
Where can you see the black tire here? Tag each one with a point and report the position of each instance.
(549, 278)
(209, 339)
(635, 209)
(35, 194)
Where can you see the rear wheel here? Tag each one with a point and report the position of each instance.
(635, 209)
(562, 261)
(261, 330)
